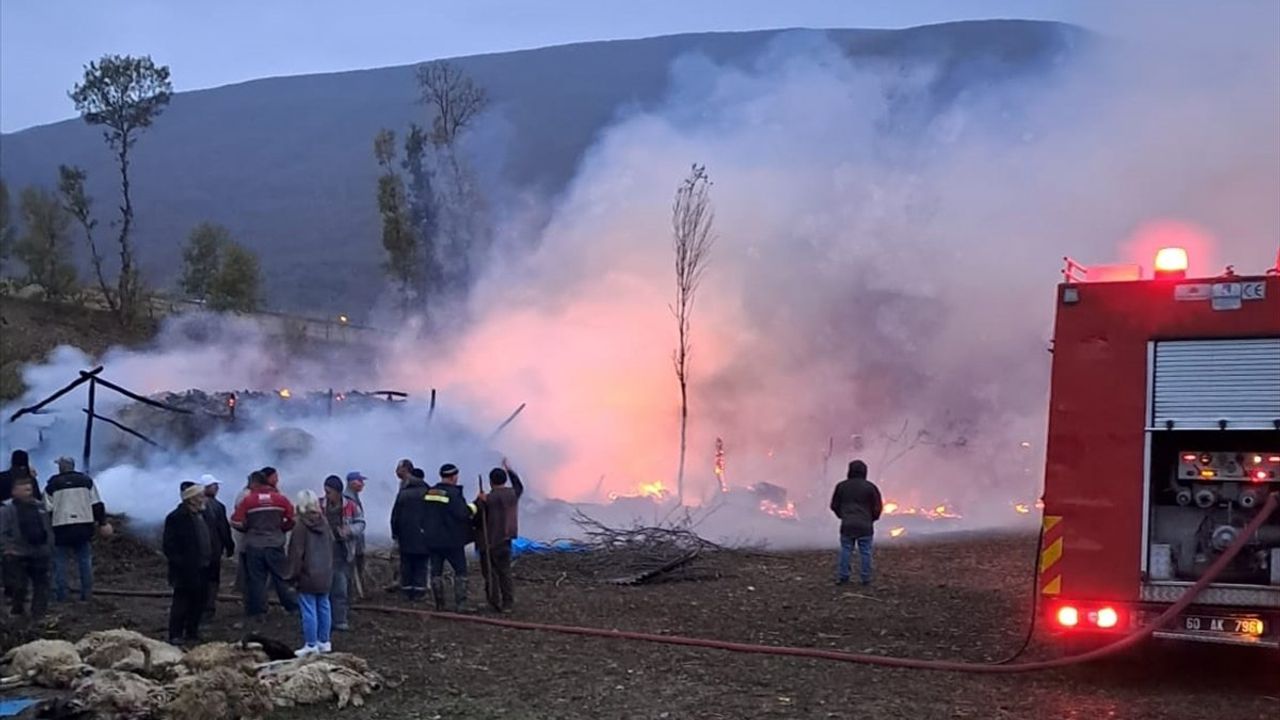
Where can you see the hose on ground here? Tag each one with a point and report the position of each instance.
(1120, 645)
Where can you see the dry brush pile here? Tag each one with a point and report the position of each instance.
(118, 674)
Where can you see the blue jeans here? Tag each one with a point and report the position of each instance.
(315, 618)
(846, 558)
(84, 560)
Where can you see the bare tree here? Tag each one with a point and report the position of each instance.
(453, 98)
(692, 217)
(79, 205)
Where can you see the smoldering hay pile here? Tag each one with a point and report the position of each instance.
(881, 287)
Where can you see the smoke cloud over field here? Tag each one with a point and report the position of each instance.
(881, 286)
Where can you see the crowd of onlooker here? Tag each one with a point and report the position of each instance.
(311, 550)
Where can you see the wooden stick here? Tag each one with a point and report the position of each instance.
(134, 396)
(506, 422)
(125, 428)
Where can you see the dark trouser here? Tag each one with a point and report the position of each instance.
(83, 553)
(214, 585)
(339, 600)
(186, 610)
(457, 559)
(21, 573)
(413, 575)
(495, 564)
(358, 577)
(261, 565)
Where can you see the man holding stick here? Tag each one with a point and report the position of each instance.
(498, 511)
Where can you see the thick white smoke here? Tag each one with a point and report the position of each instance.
(886, 260)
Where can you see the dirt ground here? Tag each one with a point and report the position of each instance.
(961, 598)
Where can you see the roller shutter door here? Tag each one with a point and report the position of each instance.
(1198, 384)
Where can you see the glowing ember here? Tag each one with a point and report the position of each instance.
(786, 511)
(897, 532)
(284, 393)
(1022, 508)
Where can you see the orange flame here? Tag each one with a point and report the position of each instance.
(897, 532)
(1022, 508)
(284, 393)
(890, 508)
(786, 512)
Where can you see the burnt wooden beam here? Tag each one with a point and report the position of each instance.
(123, 427)
(85, 375)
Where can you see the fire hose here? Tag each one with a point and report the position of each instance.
(1120, 645)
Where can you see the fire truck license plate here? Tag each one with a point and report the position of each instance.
(1217, 625)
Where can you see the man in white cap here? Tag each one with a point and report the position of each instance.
(215, 515)
(189, 550)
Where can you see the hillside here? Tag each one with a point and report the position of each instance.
(286, 162)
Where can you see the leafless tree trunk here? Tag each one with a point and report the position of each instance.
(692, 217)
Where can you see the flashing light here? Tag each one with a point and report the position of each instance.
(1207, 473)
(1068, 616)
(1189, 457)
(1108, 618)
(1171, 260)
(1274, 458)
(1260, 475)
(1257, 459)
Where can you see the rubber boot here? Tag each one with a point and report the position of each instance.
(460, 593)
(437, 592)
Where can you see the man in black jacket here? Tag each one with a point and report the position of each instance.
(857, 503)
(215, 516)
(409, 531)
(189, 549)
(448, 530)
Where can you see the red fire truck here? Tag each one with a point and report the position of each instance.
(1164, 441)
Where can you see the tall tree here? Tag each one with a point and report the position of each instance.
(124, 95)
(79, 205)
(457, 232)
(238, 285)
(201, 259)
(692, 218)
(44, 246)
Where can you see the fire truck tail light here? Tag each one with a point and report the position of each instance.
(1068, 616)
(1107, 618)
(1171, 260)
(1260, 475)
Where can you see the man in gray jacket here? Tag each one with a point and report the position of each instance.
(26, 544)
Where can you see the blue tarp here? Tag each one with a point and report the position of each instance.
(523, 545)
(13, 706)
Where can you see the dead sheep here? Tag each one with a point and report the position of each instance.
(237, 656)
(127, 650)
(219, 693)
(320, 678)
(120, 694)
(48, 663)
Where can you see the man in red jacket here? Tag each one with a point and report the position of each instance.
(264, 516)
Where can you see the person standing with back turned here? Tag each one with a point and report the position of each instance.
(857, 503)
(77, 512)
(497, 512)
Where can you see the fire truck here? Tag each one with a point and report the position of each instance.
(1163, 443)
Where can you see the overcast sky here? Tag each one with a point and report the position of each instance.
(45, 43)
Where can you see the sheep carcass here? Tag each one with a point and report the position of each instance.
(131, 651)
(49, 663)
(219, 693)
(120, 694)
(320, 678)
